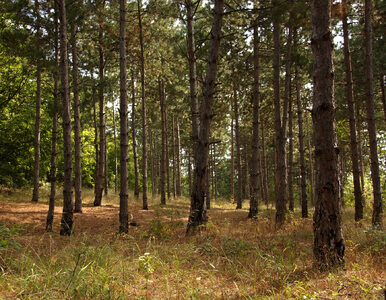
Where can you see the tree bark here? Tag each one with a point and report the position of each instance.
(115, 146)
(247, 187)
(102, 125)
(302, 165)
(328, 237)
(35, 193)
(174, 159)
(96, 146)
(178, 159)
(232, 162)
(370, 110)
(190, 9)
(311, 161)
(54, 139)
(352, 121)
(78, 159)
(197, 215)
(167, 153)
(255, 170)
(123, 114)
(238, 152)
(163, 141)
(359, 132)
(106, 172)
(144, 121)
(382, 86)
(280, 170)
(134, 137)
(67, 216)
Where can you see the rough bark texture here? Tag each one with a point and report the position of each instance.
(255, 170)
(102, 126)
(35, 193)
(302, 165)
(382, 86)
(352, 120)
(238, 152)
(190, 9)
(280, 170)
(197, 215)
(123, 114)
(163, 142)
(328, 237)
(54, 138)
(78, 162)
(67, 216)
(370, 110)
(134, 137)
(144, 121)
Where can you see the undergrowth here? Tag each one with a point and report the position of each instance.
(233, 257)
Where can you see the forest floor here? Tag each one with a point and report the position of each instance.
(233, 258)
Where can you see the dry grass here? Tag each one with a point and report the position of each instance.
(232, 258)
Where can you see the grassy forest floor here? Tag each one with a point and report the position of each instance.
(233, 258)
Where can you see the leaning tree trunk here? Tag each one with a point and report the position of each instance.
(255, 174)
(134, 137)
(35, 193)
(67, 216)
(302, 165)
(54, 139)
(78, 162)
(190, 9)
(144, 122)
(328, 237)
(371, 126)
(102, 125)
(163, 142)
(197, 215)
(280, 170)
(123, 112)
(352, 120)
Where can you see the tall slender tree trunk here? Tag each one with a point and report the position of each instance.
(178, 159)
(209, 196)
(288, 106)
(152, 167)
(246, 170)
(197, 214)
(115, 145)
(163, 141)
(238, 152)
(302, 165)
(167, 153)
(54, 139)
(280, 170)
(67, 216)
(370, 110)
(232, 161)
(96, 145)
(123, 114)
(255, 170)
(189, 173)
(78, 159)
(352, 120)
(35, 193)
(190, 9)
(359, 132)
(134, 137)
(382, 86)
(144, 121)
(311, 162)
(214, 172)
(265, 166)
(102, 125)
(328, 237)
(106, 173)
(174, 159)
